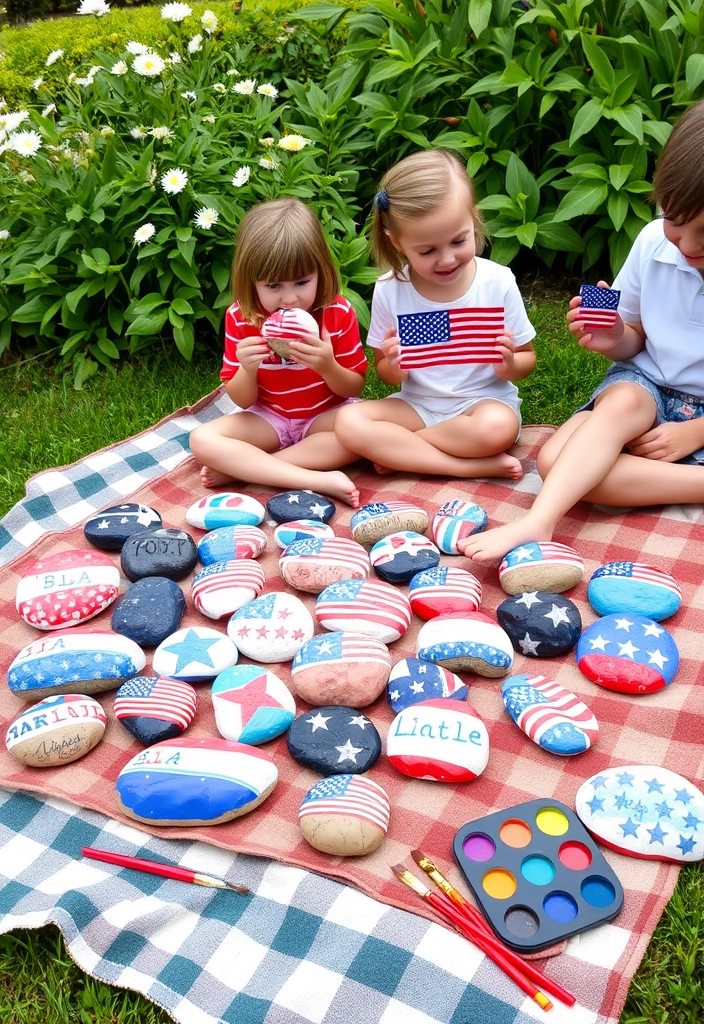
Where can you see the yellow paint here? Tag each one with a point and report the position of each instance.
(552, 822)
(515, 833)
(499, 883)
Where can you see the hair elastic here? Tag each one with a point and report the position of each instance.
(381, 200)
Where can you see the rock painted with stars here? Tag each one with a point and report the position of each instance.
(228, 509)
(334, 740)
(272, 628)
(150, 610)
(312, 565)
(345, 815)
(399, 556)
(341, 668)
(170, 553)
(444, 590)
(251, 704)
(301, 529)
(56, 731)
(364, 606)
(109, 529)
(378, 519)
(230, 542)
(454, 521)
(553, 717)
(628, 653)
(223, 587)
(644, 811)
(440, 740)
(66, 589)
(194, 654)
(543, 565)
(284, 508)
(154, 709)
(470, 642)
(540, 624)
(634, 587)
(413, 681)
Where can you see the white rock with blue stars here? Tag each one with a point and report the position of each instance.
(194, 654)
(470, 642)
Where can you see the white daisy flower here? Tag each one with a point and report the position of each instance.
(138, 133)
(148, 64)
(219, 87)
(144, 233)
(195, 44)
(174, 181)
(107, 132)
(209, 22)
(245, 87)
(176, 12)
(174, 57)
(293, 143)
(282, 39)
(160, 133)
(119, 68)
(209, 119)
(268, 163)
(241, 176)
(9, 122)
(232, 71)
(96, 7)
(50, 109)
(53, 57)
(37, 83)
(137, 48)
(267, 89)
(290, 30)
(206, 218)
(26, 143)
(4, 235)
(268, 140)
(190, 95)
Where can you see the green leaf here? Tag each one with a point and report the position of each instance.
(51, 313)
(150, 324)
(694, 71)
(560, 237)
(519, 181)
(116, 319)
(184, 233)
(316, 12)
(503, 250)
(588, 115)
(221, 275)
(618, 174)
(186, 247)
(631, 119)
(599, 62)
(106, 346)
(582, 199)
(479, 15)
(33, 311)
(617, 207)
(658, 130)
(546, 104)
(525, 233)
(149, 303)
(182, 307)
(85, 369)
(185, 339)
(183, 272)
(75, 213)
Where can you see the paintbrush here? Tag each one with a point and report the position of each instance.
(155, 867)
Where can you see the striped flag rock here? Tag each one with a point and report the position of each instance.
(413, 681)
(345, 815)
(229, 509)
(313, 564)
(287, 325)
(541, 565)
(341, 668)
(223, 587)
(469, 642)
(634, 587)
(444, 591)
(598, 307)
(231, 542)
(373, 521)
(67, 589)
(154, 709)
(364, 606)
(550, 715)
(456, 520)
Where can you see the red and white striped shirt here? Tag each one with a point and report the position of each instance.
(289, 388)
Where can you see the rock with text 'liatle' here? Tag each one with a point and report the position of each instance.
(439, 740)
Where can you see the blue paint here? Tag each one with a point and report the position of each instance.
(560, 907)
(597, 892)
(538, 870)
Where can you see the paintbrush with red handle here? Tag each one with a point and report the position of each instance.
(155, 867)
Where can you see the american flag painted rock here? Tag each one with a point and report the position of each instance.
(272, 628)
(223, 587)
(634, 587)
(456, 520)
(229, 509)
(644, 811)
(341, 668)
(364, 606)
(89, 660)
(345, 815)
(399, 556)
(334, 740)
(251, 704)
(313, 564)
(628, 653)
(287, 325)
(291, 505)
(550, 715)
(66, 589)
(444, 591)
(471, 642)
(440, 740)
(200, 781)
(194, 654)
(541, 565)
(598, 307)
(154, 709)
(413, 681)
(231, 542)
(540, 624)
(109, 529)
(164, 552)
(372, 522)
(56, 731)
(301, 529)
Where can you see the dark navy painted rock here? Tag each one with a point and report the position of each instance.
(540, 624)
(398, 557)
(231, 542)
(628, 653)
(634, 587)
(334, 740)
(149, 611)
(171, 553)
(285, 508)
(155, 709)
(109, 529)
(413, 681)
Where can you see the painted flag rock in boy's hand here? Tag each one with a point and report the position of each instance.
(341, 668)
(251, 704)
(228, 509)
(155, 709)
(301, 529)
(598, 307)
(170, 553)
(540, 565)
(334, 740)
(634, 587)
(551, 716)
(287, 325)
(66, 589)
(440, 740)
(284, 508)
(345, 816)
(194, 654)
(231, 542)
(470, 642)
(413, 681)
(378, 519)
(398, 557)
(540, 624)
(312, 565)
(456, 520)
(364, 606)
(56, 731)
(150, 610)
(444, 591)
(272, 628)
(109, 529)
(628, 653)
(223, 587)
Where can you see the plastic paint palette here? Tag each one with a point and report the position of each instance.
(537, 874)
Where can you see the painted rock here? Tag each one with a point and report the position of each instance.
(223, 587)
(301, 529)
(543, 565)
(229, 509)
(292, 505)
(313, 564)
(150, 610)
(628, 653)
(644, 811)
(286, 325)
(334, 740)
(454, 521)
(634, 587)
(345, 816)
(56, 731)
(194, 654)
(341, 668)
(90, 660)
(466, 643)
(550, 715)
(109, 529)
(444, 591)
(412, 682)
(231, 542)
(67, 589)
(200, 781)
(364, 606)
(170, 553)
(540, 624)
(380, 518)
(440, 740)
(251, 704)
(272, 628)
(154, 709)
(398, 557)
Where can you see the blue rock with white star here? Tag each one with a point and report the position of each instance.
(334, 740)
(149, 611)
(540, 624)
(644, 811)
(412, 681)
(109, 529)
(628, 653)
(292, 505)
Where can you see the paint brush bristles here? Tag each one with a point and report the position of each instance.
(410, 880)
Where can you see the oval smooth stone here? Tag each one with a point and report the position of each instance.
(334, 740)
(444, 590)
(341, 668)
(364, 606)
(194, 654)
(154, 709)
(413, 681)
(313, 564)
(229, 509)
(150, 610)
(170, 553)
(540, 624)
(550, 715)
(634, 587)
(272, 628)
(372, 522)
(66, 589)
(291, 505)
(345, 816)
(301, 529)
(440, 740)
(251, 704)
(644, 811)
(90, 660)
(628, 653)
(399, 556)
(200, 781)
(56, 731)
(223, 587)
(231, 542)
(454, 521)
(109, 529)
(541, 565)
(466, 643)
(285, 325)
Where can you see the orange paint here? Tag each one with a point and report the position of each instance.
(515, 833)
(499, 883)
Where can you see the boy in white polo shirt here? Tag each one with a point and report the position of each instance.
(640, 439)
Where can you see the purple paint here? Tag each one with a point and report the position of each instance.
(478, 847)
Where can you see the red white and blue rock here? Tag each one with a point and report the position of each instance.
(56, 731)
(229, 509)
(89, 660)
(466, 643)
(364, 606)
(313, 564)
(553, 717)
(109, 529)
(380, 518)
(644, 811)
(634, 587)
(628, 653)
(167, 552)
(413, 681)
(67, 589)
(301, 529)
(345, 815)
(231, 542)
(251, 704)
(543, 565)
(194, 654)
(195, 782)
(540, 624)
(288, 325)
(154, 709)
(399, 556)
(444, 590)
(223, 587)
(456, 520)
(272, 628)
(334, 740)
(341, 668)
(440, 740)
(291, 505)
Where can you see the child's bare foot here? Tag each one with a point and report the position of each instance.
(213, 478)
(507, 466)
(337, 484)
(502, 465)
(493, 545)
(382, 470)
